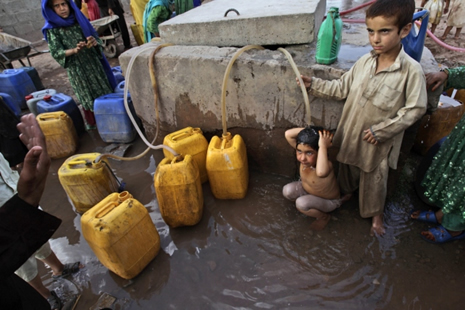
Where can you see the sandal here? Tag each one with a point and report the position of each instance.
(425, 216)
(54, 301)
(441, 235)
(68, 269)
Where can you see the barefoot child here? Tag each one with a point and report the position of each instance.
(317, 192)
(385, 93)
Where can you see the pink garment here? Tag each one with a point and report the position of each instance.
(92, 9)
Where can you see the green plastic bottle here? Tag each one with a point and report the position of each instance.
(329, 38)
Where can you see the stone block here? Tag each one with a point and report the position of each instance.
(262, 22)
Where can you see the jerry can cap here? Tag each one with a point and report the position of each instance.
(47, 97)
(29, 97)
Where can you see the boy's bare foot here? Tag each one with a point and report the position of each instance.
(442, 38)
(320, 222)
(377, 227)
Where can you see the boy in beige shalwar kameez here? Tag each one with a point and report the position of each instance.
(385, 93)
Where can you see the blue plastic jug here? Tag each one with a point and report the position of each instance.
(120, 87)
(113, 123)
(413, 43)
(17, 84)
(62, 102)
(118, 73)
(34, 75)
(13, 105)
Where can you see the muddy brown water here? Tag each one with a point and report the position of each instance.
(258, 252)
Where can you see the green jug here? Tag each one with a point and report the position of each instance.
(329, 38)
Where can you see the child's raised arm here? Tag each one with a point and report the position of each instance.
(291, 136)
(323, 165)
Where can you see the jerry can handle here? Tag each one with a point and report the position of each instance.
(79, 162)
(180, 135)
(420, 14)
(106, 209)
(45, 116)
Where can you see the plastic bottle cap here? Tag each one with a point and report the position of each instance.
(29, 97)
(47, 97)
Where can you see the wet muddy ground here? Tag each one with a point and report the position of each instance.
(258, 252)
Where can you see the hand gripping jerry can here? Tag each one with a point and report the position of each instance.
(60, 135)
(85, 181)
(121, 233)
(189, 141)
(179, 191)
(227, 167)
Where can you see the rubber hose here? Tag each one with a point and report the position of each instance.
(302, 86)
(225, 82)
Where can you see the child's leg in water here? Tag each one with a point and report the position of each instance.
(318, 208)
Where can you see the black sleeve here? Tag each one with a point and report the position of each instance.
(23, 230)
(11, 146)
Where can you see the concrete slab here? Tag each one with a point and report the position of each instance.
(262, 99)
(262, 22)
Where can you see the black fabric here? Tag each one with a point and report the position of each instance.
(10, 145)
(23, 230)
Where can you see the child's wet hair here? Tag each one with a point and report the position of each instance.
(401, 9)
(309, 136)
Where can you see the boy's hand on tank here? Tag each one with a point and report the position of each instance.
(369, 137)
(306, 79)
(326, 139)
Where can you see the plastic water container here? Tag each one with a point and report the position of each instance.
(60, 135)
(121, 233)
(17, 84)
(13, 105)
(414, 42)
(227, 167)
(329, 38)
(179, 191)
(34, 75)
(65, 103)
(118, 73)
(189, 141)
(32, 99)
(86, 182)
(113, 123)
(120, 87)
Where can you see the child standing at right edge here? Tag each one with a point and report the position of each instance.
(385, 93)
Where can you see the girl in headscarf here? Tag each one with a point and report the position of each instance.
(156, 12)
(75, 45)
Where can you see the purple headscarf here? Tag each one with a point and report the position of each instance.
(52, 20)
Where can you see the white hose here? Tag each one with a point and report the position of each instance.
(126, 105)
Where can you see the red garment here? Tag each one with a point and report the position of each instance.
(92, 9)
(89, 115)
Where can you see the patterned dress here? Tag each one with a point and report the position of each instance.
(444, 181)
(85, 72)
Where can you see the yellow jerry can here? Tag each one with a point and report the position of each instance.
(121, 233)
(227, 167)
(85, 181)
(179, 191)
(189, 141)
(60, 135)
